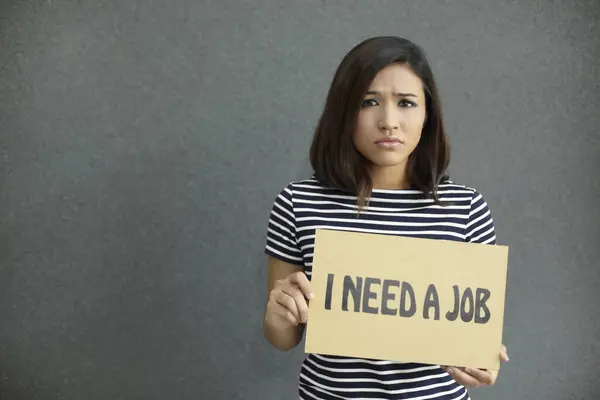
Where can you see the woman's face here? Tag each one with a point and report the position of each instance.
(391, 118)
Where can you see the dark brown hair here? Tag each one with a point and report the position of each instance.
(333, 156)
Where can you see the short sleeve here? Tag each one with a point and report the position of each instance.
(480, 228)
(281, 240)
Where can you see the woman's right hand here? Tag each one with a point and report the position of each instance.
(288, 300)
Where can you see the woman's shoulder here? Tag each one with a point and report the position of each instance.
(293, 187)
(453, 191)
(312, 189)
(310, 184)
(451, 187)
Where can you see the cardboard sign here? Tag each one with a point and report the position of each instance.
(408, 300)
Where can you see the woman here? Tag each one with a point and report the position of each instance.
(379, 155)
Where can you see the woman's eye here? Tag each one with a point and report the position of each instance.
(369, 103)
(406, 103)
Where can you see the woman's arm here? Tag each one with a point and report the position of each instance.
(287, 308)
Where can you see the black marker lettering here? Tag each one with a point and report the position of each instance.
(368, 295)
(356, 290)
(386, 296)
(467, 297)
(431, 300)
(451, 316)
(482, 296)
(404, 312)
(328, 291)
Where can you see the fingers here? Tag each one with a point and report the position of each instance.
(289, 309)
(474, 377)
(504, 354)
(287, 315)
(301, 280)
(297, 303)
(462, 377)
(288, 298)
(484, 377)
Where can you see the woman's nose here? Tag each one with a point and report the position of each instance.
(389, 121)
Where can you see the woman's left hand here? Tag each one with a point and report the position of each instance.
(473, 377)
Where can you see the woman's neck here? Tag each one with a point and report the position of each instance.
(390, 177)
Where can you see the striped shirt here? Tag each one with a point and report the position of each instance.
(304, 206)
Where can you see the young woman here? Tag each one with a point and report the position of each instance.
(379, 156)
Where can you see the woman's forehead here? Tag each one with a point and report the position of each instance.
(396, 78)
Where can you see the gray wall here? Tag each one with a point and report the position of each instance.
(142, 144)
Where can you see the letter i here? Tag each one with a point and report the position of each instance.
(328, 292)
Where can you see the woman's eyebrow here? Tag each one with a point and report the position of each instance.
(375, 92)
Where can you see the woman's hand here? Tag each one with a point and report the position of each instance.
(288, 300)
(473, 377)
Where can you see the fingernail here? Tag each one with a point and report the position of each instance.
(449, 370)
(311, 295)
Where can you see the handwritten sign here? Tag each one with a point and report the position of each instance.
(406, 299)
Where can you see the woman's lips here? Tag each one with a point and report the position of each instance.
(389, 142)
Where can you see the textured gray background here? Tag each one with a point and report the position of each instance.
(143, 142)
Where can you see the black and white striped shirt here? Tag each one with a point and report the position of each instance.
(304, 206)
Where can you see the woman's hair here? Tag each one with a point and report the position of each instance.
(333, 156)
